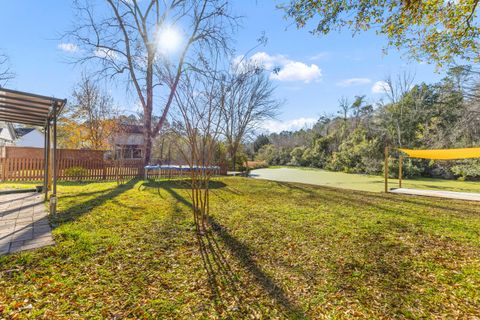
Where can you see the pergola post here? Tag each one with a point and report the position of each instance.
(46, 157)
(53, 198)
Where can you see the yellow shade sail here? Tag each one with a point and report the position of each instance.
(443, 154)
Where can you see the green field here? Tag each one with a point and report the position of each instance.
(358, 181)
(276, 250)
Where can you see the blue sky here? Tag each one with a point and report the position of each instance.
(316, 71)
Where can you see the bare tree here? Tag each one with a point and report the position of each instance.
(395, 89)
(5, 72)
(131, 39)
(94, 112)
(344, 106)
(198, 101)
(247, 100)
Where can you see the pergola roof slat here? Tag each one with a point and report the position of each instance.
(27, 95)
(22, 120)
(23, 112)
(22, 116)
(25, 103)
(28, 108)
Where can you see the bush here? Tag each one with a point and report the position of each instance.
(410, 168)
(273, 156)
(256, 165)
(357, 154)
(76, 172)
(469, 170)
(296, 156)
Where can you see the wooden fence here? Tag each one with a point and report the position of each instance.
(25, 169)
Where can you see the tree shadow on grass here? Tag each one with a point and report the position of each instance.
(223, 280)
(78, 210)
(178, 184)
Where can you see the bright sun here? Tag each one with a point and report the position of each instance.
(168, 39)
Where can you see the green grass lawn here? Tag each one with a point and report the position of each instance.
(276, 250)
(359, 181)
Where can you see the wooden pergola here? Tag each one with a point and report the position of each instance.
(40, 111)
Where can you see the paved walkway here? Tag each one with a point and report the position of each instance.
(439, 194)
(23, 222)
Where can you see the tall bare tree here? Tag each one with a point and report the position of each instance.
(198, 127)
(134, 40)
(5, 72)
(395, 88)
(344, 106)
(91, 116)
(247, 101)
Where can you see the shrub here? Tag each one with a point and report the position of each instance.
(410, 168)
(76, 172)
(469, 170)
(273, 156)
(296, 156)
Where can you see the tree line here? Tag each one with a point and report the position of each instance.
(423, 116)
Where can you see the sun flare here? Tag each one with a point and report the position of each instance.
(168, 39)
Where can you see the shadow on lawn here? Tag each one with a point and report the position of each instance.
(223, 280)
(74, 212)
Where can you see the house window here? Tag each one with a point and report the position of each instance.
(137, 153)
(128, 152)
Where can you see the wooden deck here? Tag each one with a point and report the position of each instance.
(439, 194)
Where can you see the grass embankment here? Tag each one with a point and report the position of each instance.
(359, 181)
(277, 250)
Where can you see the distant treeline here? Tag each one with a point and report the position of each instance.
(426, 116)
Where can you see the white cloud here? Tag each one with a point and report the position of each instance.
(298, 71)
(290, 70)
(105, 53)
(354, 82)
(68, 47)
(380, 87)
(288, 125)
(268, 61)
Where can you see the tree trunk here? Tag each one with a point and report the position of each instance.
(147, 117)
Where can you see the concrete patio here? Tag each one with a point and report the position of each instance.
(23, 222)
(439, 194)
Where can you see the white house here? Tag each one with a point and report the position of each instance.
(21, 137)
(7, 134)
(29, 137)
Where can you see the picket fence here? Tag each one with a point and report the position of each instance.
(26, 169)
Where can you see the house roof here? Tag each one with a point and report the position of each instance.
(20, 132)
(131, 128)
(27, 108)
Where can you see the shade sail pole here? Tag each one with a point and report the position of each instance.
(400, 171)
(386, 170)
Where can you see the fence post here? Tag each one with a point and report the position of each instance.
(3, 169)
